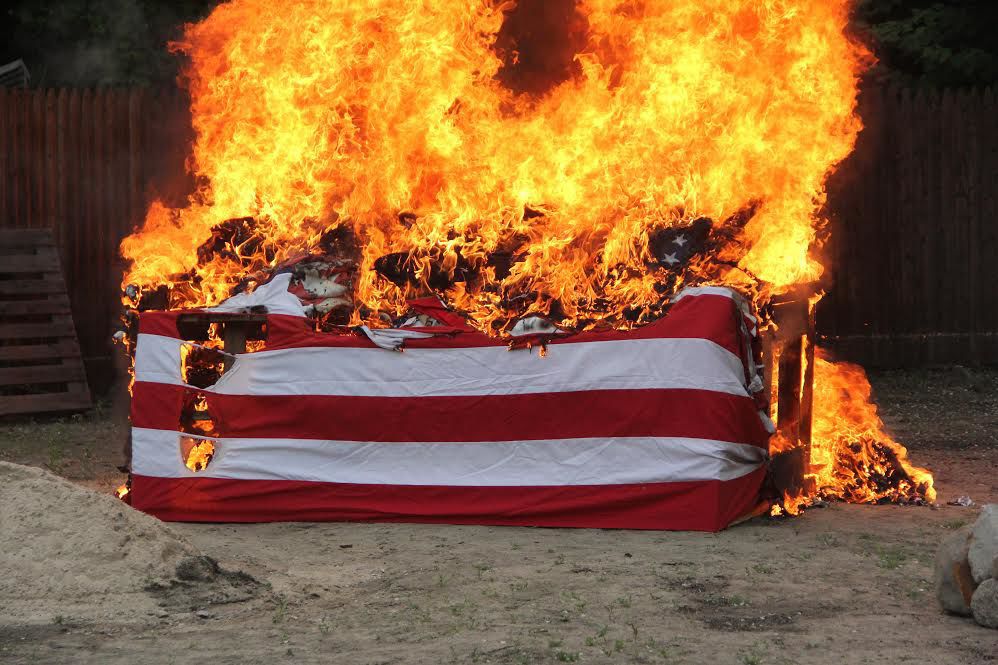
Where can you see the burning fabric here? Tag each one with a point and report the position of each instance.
(581, 192)
(647, 429)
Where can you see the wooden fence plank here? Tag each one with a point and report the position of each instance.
(22, 238)
(32, 330)
(136, 178)
(5, 152)
(60, 227)
(18, 404)
(988, 207)
(16, 124)
(54, 305)
(29, 264)
(18, 287)
(50, 181)
(38, 159)
(38, 374)
(63, 349)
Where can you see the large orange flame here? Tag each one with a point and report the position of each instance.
(852, 456)
(351, 113)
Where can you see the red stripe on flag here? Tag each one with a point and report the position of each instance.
(697, 414)
(697, 506)
(157, 405)
(705, 316)
(712, 317)
(160, 323)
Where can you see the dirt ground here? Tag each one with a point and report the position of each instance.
(841, 584)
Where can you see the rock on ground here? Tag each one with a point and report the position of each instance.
(985, 604)
(69, 551)
(954, 583)
(984, 543)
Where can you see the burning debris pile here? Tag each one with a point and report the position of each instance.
(386, 151)
(853, 458)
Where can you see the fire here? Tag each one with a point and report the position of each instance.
(197, 453)
(352, 114)
(437, 147)
(852, 456)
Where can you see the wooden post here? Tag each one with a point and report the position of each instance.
(234, 335)
(807, 389)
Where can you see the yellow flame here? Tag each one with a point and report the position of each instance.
(350, 113)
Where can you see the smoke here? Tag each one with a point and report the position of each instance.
(537, 44)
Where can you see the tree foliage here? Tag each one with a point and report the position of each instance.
(97, 42)
(941, 43)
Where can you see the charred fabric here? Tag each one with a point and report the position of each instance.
(699, 251)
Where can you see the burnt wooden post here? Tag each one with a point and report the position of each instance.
(234, 335)
(807, 390)
(235, 330)
(788, 352)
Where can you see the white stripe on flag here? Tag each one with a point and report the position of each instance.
(697, 364)
(157, 359)
(553, 462)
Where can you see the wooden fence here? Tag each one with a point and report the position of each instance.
(914, 220)
(84, 163)
(914, 242)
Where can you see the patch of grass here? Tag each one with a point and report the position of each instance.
(482, 568)
(281, 611)
(55, 456)
(752, 656)
(720, 600)
(953, 525)
(764, 569)
(422, 615)
(891, 558)
(575, 599)
(566, 657)
(518, 585)
(828, 540)
(598, 638)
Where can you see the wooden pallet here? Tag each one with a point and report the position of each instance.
(41, 369)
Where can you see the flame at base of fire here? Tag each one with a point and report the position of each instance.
(853, 458)
(197, 453)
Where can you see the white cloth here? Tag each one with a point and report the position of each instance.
(392, 339)
(273, 296)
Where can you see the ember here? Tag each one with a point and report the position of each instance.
(380, 152)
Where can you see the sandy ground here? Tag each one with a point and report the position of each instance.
(842, 584)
